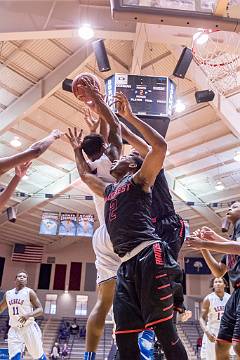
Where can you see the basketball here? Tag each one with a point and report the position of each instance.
(79, 92)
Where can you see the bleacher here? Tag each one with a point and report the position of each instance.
(76, 344)
(189, 332)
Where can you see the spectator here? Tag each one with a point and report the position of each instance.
(64, 351)
(74, 327)
(55, 352)
(199, 344)
(82, 333)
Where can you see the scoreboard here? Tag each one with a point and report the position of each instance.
(149, 96)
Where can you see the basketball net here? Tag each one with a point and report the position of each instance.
(218, 55)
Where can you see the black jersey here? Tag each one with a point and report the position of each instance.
(233, 261)
(128, 215)
(162, 205)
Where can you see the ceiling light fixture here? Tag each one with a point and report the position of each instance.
(237, 156)
(219, 186)
(86, 32)
(15, 142)
(179, 106)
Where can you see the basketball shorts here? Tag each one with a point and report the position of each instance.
(29, 336)
(107, 262)
(230, 322)
(171, 229)
(143, 296)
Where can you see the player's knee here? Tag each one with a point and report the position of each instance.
(16, 357)
(236, 348)
(221, 348)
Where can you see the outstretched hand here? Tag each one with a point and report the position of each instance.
(194, 242)
(22, 169)
(122, 105)
(92, 95)
(91, 122)
(74, 138)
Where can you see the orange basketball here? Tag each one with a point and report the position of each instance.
(79, 91)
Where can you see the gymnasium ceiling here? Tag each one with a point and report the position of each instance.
(40, 47)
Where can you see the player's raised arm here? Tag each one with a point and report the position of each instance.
(218, 269)
(154, 159)
(33, 152)
(103, 110)
(3, 304)
(20, 171)
(92, 181)
(227, 247)
(125, 111)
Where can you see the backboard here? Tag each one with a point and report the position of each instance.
(214, 14)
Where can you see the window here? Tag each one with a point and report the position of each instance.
(50, 304)
(81, 305)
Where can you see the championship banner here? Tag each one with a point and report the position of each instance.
(68, 224)
(196, 266)
(85, 225)
(49, 223)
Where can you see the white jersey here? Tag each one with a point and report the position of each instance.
(19, 304)
(102, 167)
(216, 310)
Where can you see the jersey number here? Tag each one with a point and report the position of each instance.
(15, 310)
(113, 210)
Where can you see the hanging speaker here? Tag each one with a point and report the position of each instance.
(204, 96)
(101, 55)
(183, 63)
(67, 85)
(11, 214)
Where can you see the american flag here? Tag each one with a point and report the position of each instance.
(27, 253)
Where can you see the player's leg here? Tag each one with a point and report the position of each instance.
(156, 297)
(32, 336)
(107, 263)
(222, 349)
(96, 320)
(226, 331)
(128, 346)
(15, 344)
(236, 333)
(171, 343)
(127, 312)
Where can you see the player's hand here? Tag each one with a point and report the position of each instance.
(22, 169)
(92, 95)
(74, 138)
(91, 122)
(186, 315)
(194, 242)
(57, 134)
(208, 234)
(211, 337)
(123, 106)
(23, 319)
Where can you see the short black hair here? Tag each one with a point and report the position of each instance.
(138, 161)
(92, 144)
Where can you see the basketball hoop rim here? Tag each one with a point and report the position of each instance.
(201, 61)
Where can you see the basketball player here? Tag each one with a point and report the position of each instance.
(101, 156)
(212, 310)
(229, 332)
(23, 306)
(33, 152)
(128, 219)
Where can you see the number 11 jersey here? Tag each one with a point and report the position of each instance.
(19, 304)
